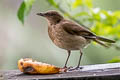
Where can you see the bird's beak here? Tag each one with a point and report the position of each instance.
(41, 14)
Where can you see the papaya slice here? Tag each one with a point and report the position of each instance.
(30, 66)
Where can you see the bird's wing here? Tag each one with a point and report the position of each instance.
(75, 29)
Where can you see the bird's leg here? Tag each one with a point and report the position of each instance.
(69, 52)
(79, 59)
(78, 62)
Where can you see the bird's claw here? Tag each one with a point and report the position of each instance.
(67, 67)
(76, 68)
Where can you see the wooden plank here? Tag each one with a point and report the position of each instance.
(90, 72)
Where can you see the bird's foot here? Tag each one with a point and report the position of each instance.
(65, 67)
(76, 68)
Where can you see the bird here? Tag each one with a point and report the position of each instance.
(70, 35)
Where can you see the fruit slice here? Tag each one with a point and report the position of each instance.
(33, 67)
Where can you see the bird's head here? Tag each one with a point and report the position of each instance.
(53, 16)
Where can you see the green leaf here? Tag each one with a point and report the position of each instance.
(82, 2)
(52, 2)
(81, 14)
(96, 17)
(117, 14)
(115, 60)
(24, 9)
(77, 3)
(89, 3)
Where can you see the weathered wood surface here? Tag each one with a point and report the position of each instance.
(90, 72)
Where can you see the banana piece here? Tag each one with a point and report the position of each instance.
(33, 67)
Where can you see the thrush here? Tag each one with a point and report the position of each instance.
(70, 35)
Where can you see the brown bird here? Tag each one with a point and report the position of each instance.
(69, 35)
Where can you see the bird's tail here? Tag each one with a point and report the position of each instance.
(105, 39)
(101, 40)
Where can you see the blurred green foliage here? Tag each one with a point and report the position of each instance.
(101, 22)
(77, 3)
(114, 60)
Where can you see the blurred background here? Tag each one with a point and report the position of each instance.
(31, 39)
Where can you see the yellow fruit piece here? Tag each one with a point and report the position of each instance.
(33, 67)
